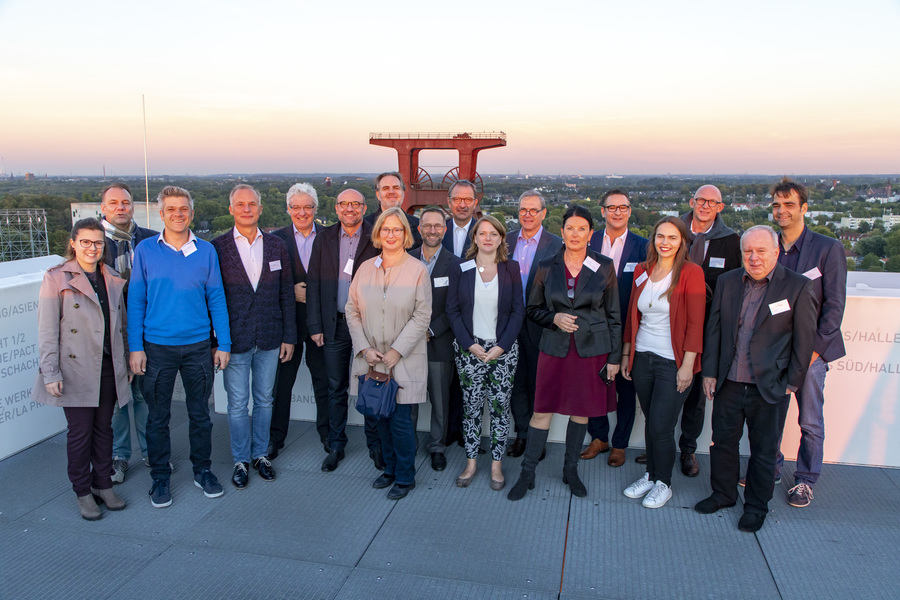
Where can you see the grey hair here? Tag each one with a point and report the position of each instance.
(533, 194)
(302, 188)
(756, 228)
(243, 186)
(464, 183)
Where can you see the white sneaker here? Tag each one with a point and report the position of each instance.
(658, 496)
(639, 488)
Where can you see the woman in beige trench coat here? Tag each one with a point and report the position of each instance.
(388, 312)
(83, 361)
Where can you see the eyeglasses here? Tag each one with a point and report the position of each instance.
(433, 227)
(349, 204)
(302, 209)
(394, 231)
(462, 200)
(530, 211)
(623, 208)
(707, 202)
(85, 243)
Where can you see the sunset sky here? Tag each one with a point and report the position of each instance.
(586, 87)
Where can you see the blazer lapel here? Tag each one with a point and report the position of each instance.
(234, 258)
(627, 249)
(734, 314)
(583, 278)
(772, 293)
(805, 252)
(80, 283)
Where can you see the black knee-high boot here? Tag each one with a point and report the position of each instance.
(534, 446)
(574, 440)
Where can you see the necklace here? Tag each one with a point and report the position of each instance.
(652, 285)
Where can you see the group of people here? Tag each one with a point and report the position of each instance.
(460, 313)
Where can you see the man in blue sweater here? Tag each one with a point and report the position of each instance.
(174, 291)
(259, 291)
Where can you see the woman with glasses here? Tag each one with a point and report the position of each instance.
(575, 297)
(486, 311)
(83, 361)
(662, 344)
(388, 312)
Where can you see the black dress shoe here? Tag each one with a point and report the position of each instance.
(331, 461)
(400, 491)
(383, 481)
(272, 451)
(264, 468)
(438, 461)
(240, 476)
(708, 506)
(751, 522)
(517, 448)
(641, 458)
(689, 465)
(377, 458)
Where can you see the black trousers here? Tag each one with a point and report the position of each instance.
(693, 417)
(735, 404)
(598, 427)
(284, 386)
(521, 403)
(90, 438)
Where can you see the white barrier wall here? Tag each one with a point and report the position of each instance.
(23, 423)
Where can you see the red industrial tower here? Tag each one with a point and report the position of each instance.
(421, 189)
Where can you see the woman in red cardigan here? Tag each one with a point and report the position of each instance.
(663, 339)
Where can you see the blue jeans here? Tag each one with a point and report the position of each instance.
(194, 362)
(811, 406)
(261, 366)
(398, 444)
(121, 424)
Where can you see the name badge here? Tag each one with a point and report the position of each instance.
(629, 267)
(716, 263)
(641, 279)
(813, 273)
(348, 268)
(275, 265)
(189, 248)
(591, 264)
(378, 262)
(776, 308)
(467, 266)
(441, 282)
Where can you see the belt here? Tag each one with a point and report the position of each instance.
(341, 316)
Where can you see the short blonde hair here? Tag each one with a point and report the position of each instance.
(394, 211)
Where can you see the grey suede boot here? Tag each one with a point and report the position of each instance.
(109, 498)
(88, 508)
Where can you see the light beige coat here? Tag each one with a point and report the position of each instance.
(70, 337)
(394, 317)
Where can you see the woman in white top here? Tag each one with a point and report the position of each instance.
(486, 310)
(663, 339)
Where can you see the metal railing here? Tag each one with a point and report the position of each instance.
(456, 135)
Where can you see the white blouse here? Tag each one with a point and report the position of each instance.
(484, 315)
(655, 333)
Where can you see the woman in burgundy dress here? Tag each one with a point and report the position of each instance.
(576, 299)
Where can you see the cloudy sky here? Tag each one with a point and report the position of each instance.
(591, 87)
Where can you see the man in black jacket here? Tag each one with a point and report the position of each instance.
(390, 191)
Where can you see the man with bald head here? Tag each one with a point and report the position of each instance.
(759, 339)
(336, 254)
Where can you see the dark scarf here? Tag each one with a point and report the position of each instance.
(698, 240)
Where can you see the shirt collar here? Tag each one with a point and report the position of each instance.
(297, 231)
(238, 235)
(162, 239)
(356, 233)
(611, 240)
(767, 279)
(434, 256)
(798, 243)
(536, 238)
(466, 226)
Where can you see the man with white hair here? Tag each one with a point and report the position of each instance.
(302, 204)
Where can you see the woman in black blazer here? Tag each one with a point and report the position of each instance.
(486, 311)
(575, 297)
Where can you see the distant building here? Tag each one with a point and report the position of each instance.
(740, 207)
(890, 220)
(84, 210)
(29, 176)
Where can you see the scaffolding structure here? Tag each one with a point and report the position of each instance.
(23, 234)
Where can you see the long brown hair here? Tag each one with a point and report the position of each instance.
(681, 256)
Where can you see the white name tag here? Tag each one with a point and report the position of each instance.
(378, 262)
(716, 263)
(629, 267)
(441, 281)
(813, 273)
(189, 248)
(591, 264)
(779, 307)
(641, 279)
(348, 268)
(467, 266)
(275, 265)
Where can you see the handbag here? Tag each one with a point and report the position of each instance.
(377, 394)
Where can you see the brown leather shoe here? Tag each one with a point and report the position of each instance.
(641, 458)
(616, 457)
(594, 448)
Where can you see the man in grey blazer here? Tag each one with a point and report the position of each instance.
(759, 338)
(440, 263)
(528, 246)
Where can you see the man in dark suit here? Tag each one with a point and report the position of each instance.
(528, 246)
(463, 203)
(627, 250)
(337, 253)
(822, 260)
(716, 248)
(390, 191)
(759, 338)
(259, 292)
(441, 263)
(302, 203)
